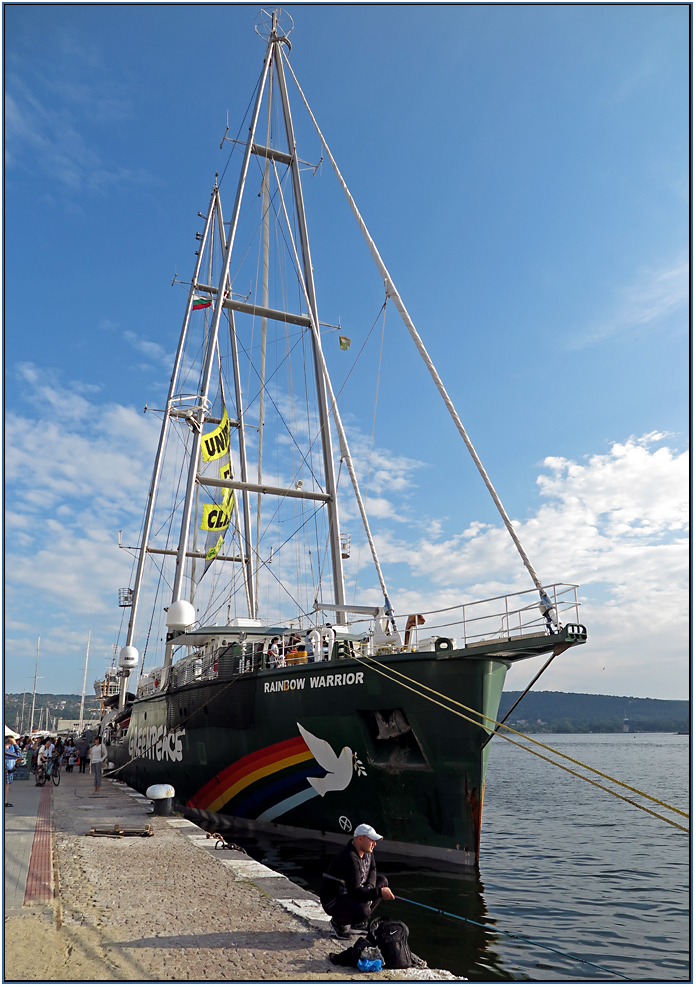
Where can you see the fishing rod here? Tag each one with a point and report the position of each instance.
(512, 935)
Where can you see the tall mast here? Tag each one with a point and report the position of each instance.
(33, 698)
(157, 469)
(264, 325)
(330, 479)
(84, 684)
(204, 386)
(247, 560)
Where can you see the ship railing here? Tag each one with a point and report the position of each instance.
(194, 668)
(511, 615)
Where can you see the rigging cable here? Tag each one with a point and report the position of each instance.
(234, 145)
(551, 750)
(528, 749)
(372, 437)
(401, 308)
(343, 441)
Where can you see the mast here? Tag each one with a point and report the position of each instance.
(84, 684)
(149, 510)
(342, 439)
(325, 424)
(21, 726)
(204, 387)
(33, 698)
(247, 559)
(264, 326)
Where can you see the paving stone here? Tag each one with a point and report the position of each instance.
(175, 908)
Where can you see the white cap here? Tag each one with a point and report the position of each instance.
(364, 829)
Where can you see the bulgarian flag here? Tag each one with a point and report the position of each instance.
(201, 303)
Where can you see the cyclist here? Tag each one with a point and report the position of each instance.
(45, 758)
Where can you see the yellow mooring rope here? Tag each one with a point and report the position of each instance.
(524, 736)
(563, 767)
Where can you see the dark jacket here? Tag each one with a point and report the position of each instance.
(346, 866)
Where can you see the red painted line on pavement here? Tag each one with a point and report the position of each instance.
(39, 876)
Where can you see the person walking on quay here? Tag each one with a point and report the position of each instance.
(83, 752)
(11, 755)
(97, 756)
(69, 756)
(352, 888)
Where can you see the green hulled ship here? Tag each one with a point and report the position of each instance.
(328, 714)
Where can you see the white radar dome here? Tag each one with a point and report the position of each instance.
(128, 657)
(180, 615)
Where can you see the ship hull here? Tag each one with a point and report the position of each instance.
(319, 748)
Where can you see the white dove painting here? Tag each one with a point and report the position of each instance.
(340, 769)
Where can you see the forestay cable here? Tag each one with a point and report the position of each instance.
(401, 308)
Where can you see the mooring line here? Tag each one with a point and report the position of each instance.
(525, 736)
(512, 935)
(516, 744)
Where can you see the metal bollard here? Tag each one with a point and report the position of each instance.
(163, 798)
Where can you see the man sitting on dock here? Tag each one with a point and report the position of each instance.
(352, 888)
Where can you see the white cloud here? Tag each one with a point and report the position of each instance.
(646, 305)
(43, 132)
(76, 472)
(152, 350)
(615, 523)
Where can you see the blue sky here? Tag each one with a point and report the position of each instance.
(524, 171)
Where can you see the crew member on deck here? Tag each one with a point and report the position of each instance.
(352, 888)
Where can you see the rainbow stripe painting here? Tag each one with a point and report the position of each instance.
(265, 763)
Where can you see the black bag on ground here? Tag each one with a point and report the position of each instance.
(391, 937)
(362, 949)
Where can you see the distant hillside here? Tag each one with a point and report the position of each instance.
(60, 707)
(539, 712)
(578, 712)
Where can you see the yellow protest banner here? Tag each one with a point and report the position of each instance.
(216, 443)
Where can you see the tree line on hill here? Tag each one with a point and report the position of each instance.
(539, 712)
(578, 712)
(63, 706)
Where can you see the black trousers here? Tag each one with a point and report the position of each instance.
(83, 765)
(345, 910)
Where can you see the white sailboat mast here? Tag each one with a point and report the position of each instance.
(33, 698)
(84, 685)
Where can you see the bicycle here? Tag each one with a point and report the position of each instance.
(41, 775)
(55, 773)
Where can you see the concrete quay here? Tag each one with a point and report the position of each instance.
(165, 907)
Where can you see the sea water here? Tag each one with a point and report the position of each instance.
(562, 863)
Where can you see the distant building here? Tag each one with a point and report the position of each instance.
(73, 726)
